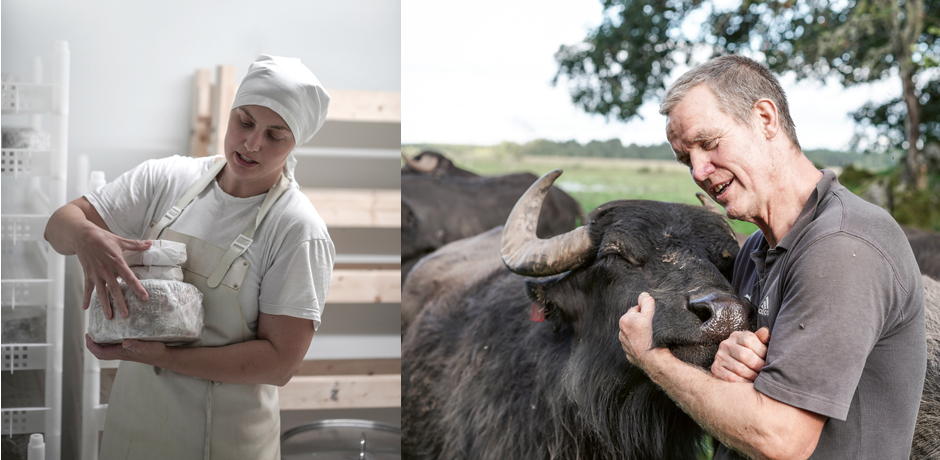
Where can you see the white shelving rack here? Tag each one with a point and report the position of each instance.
(33, 273)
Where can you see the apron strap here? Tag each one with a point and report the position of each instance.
(156, 228)
(241, 243)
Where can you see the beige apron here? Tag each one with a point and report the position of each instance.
(155, 413)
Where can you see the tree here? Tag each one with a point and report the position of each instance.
(624, 62)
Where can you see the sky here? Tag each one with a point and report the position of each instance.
(480, 73)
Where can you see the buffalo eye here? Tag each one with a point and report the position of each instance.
(407, 216)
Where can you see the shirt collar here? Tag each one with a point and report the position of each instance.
(809, 209)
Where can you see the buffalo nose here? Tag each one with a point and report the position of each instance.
(721, 315)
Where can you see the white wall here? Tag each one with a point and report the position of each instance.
(133, 61)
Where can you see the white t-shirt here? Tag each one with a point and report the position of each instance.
(291, 257)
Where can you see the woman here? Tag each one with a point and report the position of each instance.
(256, 249)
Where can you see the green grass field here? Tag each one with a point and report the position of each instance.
(593, 181)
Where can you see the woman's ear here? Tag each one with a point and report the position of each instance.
(765, 112)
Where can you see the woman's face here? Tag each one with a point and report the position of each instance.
(256, 147)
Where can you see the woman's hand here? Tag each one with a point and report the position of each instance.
(272, 359)
(741, 356)
(77, 228)
(101, 254)
(129, 350)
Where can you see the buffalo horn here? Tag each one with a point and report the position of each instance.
(708, 204)
(425, 165)
(525, 253)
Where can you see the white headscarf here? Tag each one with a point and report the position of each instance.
(290, 89)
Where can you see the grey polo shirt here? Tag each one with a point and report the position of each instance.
(843, 299)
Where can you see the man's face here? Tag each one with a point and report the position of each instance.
(728, 160)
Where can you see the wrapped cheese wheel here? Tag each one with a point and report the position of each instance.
(157, 272)
(161, 252)
(173, 313)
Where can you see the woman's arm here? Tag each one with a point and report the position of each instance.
(272, 359)
(77, 228)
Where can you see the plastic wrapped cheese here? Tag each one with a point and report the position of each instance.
(161, 252)
(157, 272)
(25, 138)
(173, 313)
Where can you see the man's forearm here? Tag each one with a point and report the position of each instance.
(738, 415)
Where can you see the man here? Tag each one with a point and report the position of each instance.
(837, 368)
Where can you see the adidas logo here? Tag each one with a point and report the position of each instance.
(764, 308)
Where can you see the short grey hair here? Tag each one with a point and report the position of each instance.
(738, 83)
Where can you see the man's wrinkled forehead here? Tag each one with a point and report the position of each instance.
(673, 137)
(693, 118)
(672, 131)
(677, 134)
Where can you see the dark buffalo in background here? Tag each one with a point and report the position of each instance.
(926, 247)
(448, 272)
(482, 380)
(441, 203)
(428, 163)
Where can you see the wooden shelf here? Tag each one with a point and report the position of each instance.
(375, 208)
(364, 106)
(328, 384)
(365, 286)
(341, 392)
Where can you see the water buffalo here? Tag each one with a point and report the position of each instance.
(926, 247)
(927, 431)
(441, 203)
(448, 271)
(433, 164)
(482, 380)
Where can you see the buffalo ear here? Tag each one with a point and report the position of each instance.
(562, 296)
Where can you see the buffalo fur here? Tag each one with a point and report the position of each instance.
(481, 380)
(448, 272)
(926, 444)
(926, 247)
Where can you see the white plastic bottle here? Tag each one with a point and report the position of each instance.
(37, 448)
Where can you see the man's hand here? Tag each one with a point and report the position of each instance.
(636, 329)
(741, 356)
